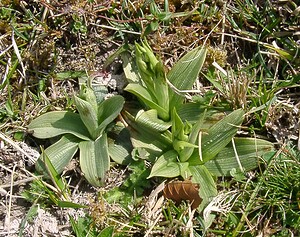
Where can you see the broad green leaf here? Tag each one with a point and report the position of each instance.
(149, 119)
(87, 94)
(141, 136)
(208, 188)
(153, 25)
(161, 88)
(143, 94)
(120, 147)
(130, 68)
(154, 9)
(249, 151)
(180, 137)
(149, 29)
(119, 153)
(100, 92)
(70, 75)
(57, 123)
(193, 136)
(184, 73)
(154, 147)
(192, 112)
(68, 204)
(107, 232)
(220, 134)
(108, 110)
(60, 153)
(87, 114)
(54, 175)
(186, 153)
(94, 160)
(168, 166)
(180, 145)
(177, 128)
(164, 16)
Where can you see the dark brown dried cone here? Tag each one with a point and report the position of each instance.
(183, 190)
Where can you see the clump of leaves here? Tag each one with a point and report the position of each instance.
(84, 226)
(158, 90)
(44, 193)
(85, 131)
(137, 182)
(181, 139)
(38, 191)
(133, 187)
(8, 110)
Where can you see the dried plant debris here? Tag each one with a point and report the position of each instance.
(183, 191)
(283, 121)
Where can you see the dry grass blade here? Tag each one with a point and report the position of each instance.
(8, 215)
(17, 147)
(17, 52)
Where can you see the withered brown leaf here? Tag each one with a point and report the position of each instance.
(183, 190)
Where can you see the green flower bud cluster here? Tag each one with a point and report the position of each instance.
(153, 77)
(87, 94)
